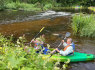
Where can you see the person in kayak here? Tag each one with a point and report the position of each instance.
(39, 44)
(68, 50)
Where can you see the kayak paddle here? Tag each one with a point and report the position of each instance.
(38, 34)
(67, 35)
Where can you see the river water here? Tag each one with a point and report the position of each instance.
(55, 22)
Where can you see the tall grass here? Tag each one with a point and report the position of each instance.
(47, 6)
(31, 5)
(28, 7)
(84, 25)
(23, 6)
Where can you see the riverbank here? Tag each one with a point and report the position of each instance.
(72, 7)
(37, 7)
(26, 6)
(84, 25)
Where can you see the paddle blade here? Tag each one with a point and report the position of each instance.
(42, 29)
(67, 34)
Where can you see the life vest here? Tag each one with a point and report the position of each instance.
(73, 45)
(67, 47)
(36, 44)
(45, 51)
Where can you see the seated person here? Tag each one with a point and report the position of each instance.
(39, 44)
(68, 50)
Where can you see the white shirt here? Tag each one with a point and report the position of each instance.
(67, 51)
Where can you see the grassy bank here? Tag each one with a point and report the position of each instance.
(28, 7)
(37, 6)
(84, 25)
(44, 4)
(22, 6)
(72, 7)
(15, 55)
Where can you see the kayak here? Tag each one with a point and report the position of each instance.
(77, 57)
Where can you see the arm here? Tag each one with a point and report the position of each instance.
(64, 43)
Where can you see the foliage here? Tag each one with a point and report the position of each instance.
(66, 64)
(11, 5)
(76, 2)
(91, 8)
(36, 5)
(84, 25)
(2, 4)
(47, 6)
(22, 6)
(17, 56)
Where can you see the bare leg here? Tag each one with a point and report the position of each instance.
(57, 50)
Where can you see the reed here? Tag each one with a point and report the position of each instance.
(84, 25)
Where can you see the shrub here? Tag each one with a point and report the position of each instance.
(84, 25)
(48, 6)
(22, 6)
(11, 5)
(21, 57)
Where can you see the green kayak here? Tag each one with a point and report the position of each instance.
(77, 57)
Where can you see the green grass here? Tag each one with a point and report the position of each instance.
(28, 7)
(84, 25)
(69, 7)
(22, 6)
(47, 6)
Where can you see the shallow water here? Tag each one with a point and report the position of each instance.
(30, 23)
(30, 29)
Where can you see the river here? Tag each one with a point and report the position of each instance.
(55, 22)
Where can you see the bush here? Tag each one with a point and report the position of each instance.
(84, 25)
(22, 6)
(11, 5)
(2, 4)
(47, 6)
(21, 57)
(28, 7)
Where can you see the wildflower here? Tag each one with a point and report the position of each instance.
(25, 47)
(0, 48)
(20, 38)
(18, 41)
